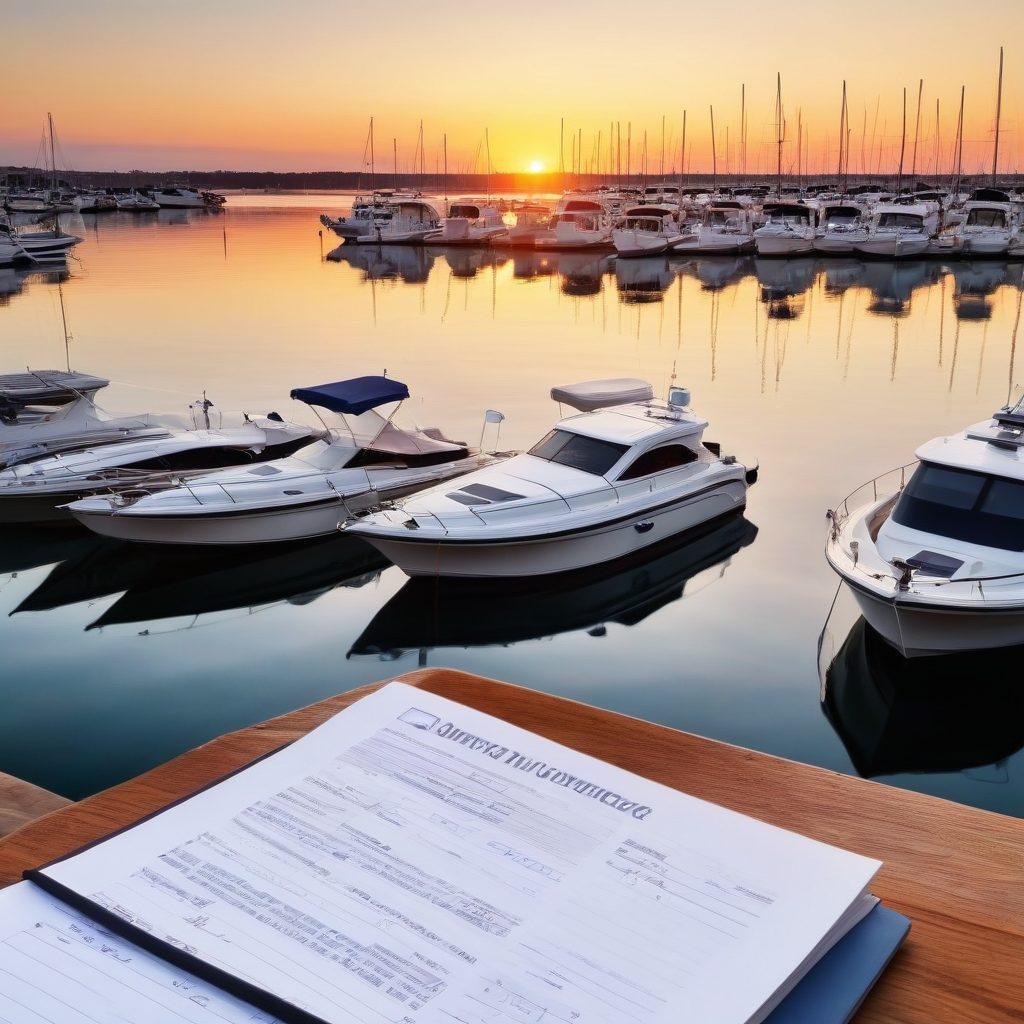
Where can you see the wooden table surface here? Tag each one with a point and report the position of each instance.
(956, 872)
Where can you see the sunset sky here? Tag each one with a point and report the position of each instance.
(261, 85)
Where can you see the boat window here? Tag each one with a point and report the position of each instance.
(987, 218)
(900, 220)
(657, 460)
(588, 454)
(964, 505)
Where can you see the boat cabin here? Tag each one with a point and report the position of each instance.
(795, 215)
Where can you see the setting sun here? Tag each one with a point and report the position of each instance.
(535, 167)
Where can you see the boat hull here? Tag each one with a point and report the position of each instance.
(563, 552)
(893, 248)
(783, 245)
(917, 629)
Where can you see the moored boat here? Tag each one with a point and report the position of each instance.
(934, 554)
(309, 494)
(625, 473)
(789, 229)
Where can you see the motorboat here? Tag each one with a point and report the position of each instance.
(934, 554)
(27, 202)
(37, 490)
(33, 432)
(308, 494)
(840, 227)
(581, 223)
(134, 202)
(725, 227)
(178, 198)
(405, 220)
(624, 473)
(482, 613)
(469, 222)
(96, 201)
(646, 230)
(950, 713)
(360, 219)
(899, 231)
(38, 245)
(789, 229)
(987, 229)
(11, 251)
(531, 221)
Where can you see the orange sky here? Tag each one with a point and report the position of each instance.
(265, 85)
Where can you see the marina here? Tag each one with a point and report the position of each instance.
(792, 361)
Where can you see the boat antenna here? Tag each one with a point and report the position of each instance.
(999, 111)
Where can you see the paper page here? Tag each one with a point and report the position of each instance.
(413, 860)
(57, 967)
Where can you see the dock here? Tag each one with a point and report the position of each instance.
(956, 872)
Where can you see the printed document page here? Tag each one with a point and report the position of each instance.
(57, 967)
(413, 861)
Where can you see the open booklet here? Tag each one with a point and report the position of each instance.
(414, 861)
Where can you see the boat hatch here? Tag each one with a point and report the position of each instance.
(482, 494)
(264, 471)
(932, 563)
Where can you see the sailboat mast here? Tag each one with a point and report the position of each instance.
(394, 154)
(53, 161)
(999, 111)
(487, 142)
(743, 129)
(778, 127)
(661, 169)
(842, 133)
(64, 322)
(372, 186)
(682, 156)
(714, 153)
(445, 179)
(903, 144)
(917, 128)
(960, 141)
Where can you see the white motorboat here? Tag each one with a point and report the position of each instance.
(33, 432)
(309, 494)
(987, 229)
(934, 554)
(725, 227)
(34, 246)
(582, 223)
(647, 230)
(405, 220)
(899, 231)
(27, 202)
(135, 202)
(178, 198)
(34, 491)
(95, 201)
(789, 229)
(360, 219)
(841, 226)
(469, 222)
(625, 473)
(531, 221)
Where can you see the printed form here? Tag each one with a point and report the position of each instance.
(413, 861)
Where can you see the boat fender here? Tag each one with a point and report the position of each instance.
(751, 475)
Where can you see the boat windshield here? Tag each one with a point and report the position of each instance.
(987, 219)
(901, 220)
(964, 505)
(587, 454)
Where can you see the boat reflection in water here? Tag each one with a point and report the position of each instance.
(948, 713)
(429, 613)
(31, 547)
(643, 280)
(409, 264)
(157, 583)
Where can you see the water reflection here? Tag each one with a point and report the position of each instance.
(159, 583)
(784, 284)
(428, 614)
(952, 713)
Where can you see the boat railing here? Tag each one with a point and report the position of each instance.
(889, 484)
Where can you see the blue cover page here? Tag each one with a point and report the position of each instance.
(837, 984)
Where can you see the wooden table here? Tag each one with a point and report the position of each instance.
(958, 873)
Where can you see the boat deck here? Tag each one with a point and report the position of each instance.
(957, 872)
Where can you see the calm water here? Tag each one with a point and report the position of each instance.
(825, 372)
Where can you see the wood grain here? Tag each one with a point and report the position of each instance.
(21, 802)
(957, 872)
